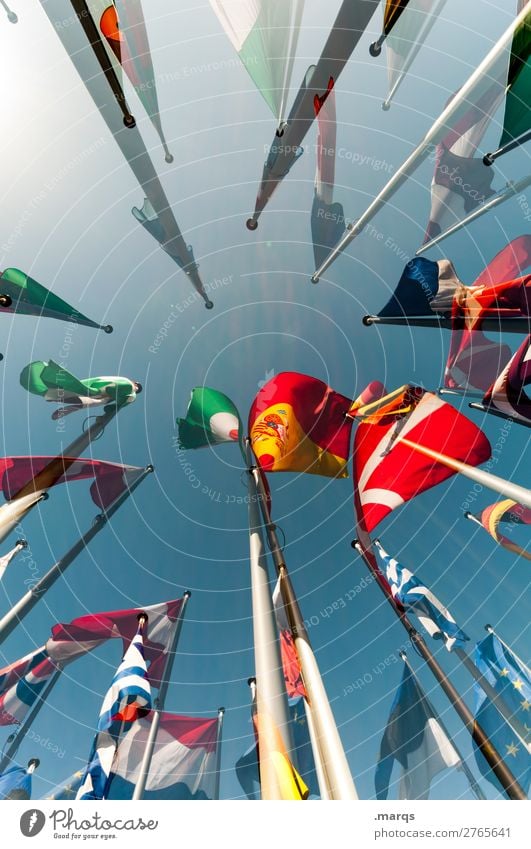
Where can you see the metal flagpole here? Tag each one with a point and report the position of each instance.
(510, 190)
(474, 786)
(11, 16)
(271, 688)
(28, 601)
(16, 738)
(509, 490)
(20, 545)
(491, 630)
(495, 698)
(460, 393)
(432, 137)
(330, 749)
(159, 703)
(319, 766)
(429, 21)
(91, 31)
(505, 325)
(484, 408)
(490, 158)
(502, 772)
(221, 714)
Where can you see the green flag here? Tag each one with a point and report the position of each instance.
(20, 293)
(211, 419)
(517, 119)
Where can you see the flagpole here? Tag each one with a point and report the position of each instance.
(502, 772)
(474, 786)
(491, 630)
(432, 137)
(319, 767)
(484, 408)
(271, 688)
(429, 21)
(140, 785)
(509, 490)
(20, 545)
(334, 764)
(490, 158)
(511, 189)
(505, 325)
(11, 16)
(221, 714)
(91, 31)
(460, 393)
(28, 601)
(17, 737)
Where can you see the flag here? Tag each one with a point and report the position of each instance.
(298, 424)
(508, 264)
(327, 217)
(517, 117)
(15, 783)
(20, 293)
(425, 288)
(128, 698)
(7, 558)
(247, 769)
(264, 34)
(288, 652)
(388, 473)
(513, 684)
(183, 764)
(211, 418)
(110, 480)
(22, 685)
(510, 512)
(67, 789)
(54, 383)
(406, 27)
(124, 29)
(85, 633)
(507, 394)
(416, 598)
(413, 737)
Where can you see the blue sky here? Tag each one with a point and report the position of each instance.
(66, 200)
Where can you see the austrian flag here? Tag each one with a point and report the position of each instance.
(389, 473)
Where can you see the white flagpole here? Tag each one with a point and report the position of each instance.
(28, 601)
(510, 191)
(155, 714)
(7, 558)
(509, 490)
(432, 137)
(221, 714)
(271, 690)
(330, 748)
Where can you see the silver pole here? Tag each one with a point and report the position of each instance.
(511, 190)
(17, 737)
(492, 411)
(432, 137)
(507, 488)
(159, 704)
(330, 749)
(28, 601)
(221, 714)
(271, 689)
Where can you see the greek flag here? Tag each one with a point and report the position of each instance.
(128, 698)
(418, 599)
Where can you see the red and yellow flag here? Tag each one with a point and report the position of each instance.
(299, 424)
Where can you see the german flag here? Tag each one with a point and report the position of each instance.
(299, 424)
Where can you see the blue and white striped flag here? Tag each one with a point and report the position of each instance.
(418, 599)
(128, 698)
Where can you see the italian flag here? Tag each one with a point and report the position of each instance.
(211, 419)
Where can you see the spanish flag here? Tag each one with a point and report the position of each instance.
(299, 424)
